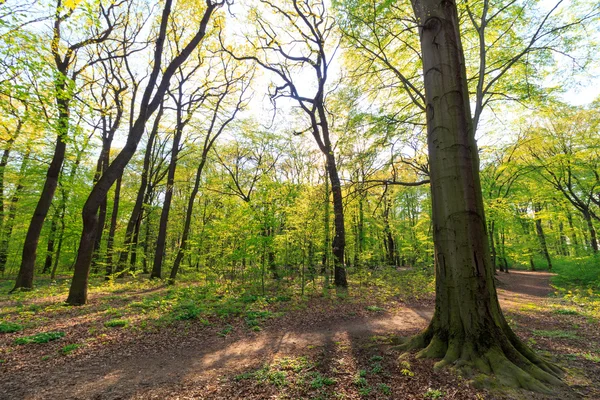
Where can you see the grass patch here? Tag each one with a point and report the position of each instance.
(116, 323)
(565, 311)
(434, 394)
(558, 334)
(10, 327)
(591, 357)
(40, 338)
(68, 349)
(318, 381)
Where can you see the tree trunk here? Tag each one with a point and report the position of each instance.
(468, 327)
(326, 217)
(575, 243)
(50, 246)
(166, 208)
(3, 163)
(339, 238)
(26, 271)
(541, 236)
(590, 225)
(113, 228)
(132, 230)
(492, 236)
(12, 213)
(188, 220)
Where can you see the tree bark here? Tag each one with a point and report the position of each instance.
(468, 327)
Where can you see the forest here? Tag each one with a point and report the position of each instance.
(320, 199)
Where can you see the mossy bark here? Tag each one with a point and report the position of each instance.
(468, 327)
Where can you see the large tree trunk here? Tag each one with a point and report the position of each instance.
(26, 271)
(468, 326)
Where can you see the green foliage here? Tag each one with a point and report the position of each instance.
(69, 348)
(116, 323)
(265, 374)
(555, 334)
(384, 389)
(582, 272)
(44, 337)
(565, 311)
(591, 357)
(318, 381)
(10, 327)
(225, 331)
(434, 394)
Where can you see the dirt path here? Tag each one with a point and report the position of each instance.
(159, 365)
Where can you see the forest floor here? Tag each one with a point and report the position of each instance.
(326, 347)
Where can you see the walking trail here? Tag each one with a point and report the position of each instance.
(158, 366)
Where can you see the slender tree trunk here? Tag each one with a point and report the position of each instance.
(339, 238)
(166, 208)
(3, 163)
(136, 214)
(12, 213)
(491, 226)
(51, 238)
(326, 217)
(146, 246)
(541, 236)
(592, 231)
(575, 244)
(388, 239)
(113, 228)
(26, 271)
(468, 326)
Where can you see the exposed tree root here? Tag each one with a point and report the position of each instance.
(507, 359)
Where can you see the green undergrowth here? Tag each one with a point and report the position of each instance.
(40, 338)
(577, 280)
(137, 303)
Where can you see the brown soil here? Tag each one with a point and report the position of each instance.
(193, 361)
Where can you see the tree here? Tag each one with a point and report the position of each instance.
(307, 25)
(151, 99)
(66, 73)
(468, 326)
(231, 83)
